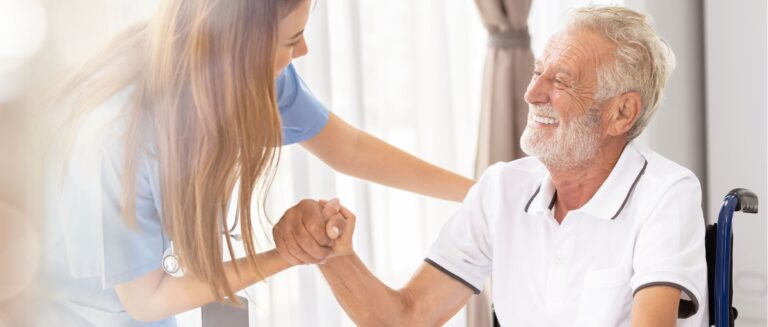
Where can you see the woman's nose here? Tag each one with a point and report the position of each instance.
(300, 49)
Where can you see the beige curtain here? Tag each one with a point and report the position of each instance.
(508, 68)
(503, 115)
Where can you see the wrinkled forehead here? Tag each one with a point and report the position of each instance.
(576, 51)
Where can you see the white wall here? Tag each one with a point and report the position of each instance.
(677, 129)
(735, 43)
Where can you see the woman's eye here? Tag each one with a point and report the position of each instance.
(294, 43)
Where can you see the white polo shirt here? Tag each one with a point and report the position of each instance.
(643, 227)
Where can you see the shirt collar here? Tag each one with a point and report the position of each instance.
(609, 199)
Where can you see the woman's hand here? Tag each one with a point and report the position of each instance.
(340, 225)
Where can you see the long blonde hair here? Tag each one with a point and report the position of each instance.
(205, 101)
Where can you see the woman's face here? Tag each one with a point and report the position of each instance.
(290, 36)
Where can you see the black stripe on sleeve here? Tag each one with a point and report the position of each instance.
(452, 275)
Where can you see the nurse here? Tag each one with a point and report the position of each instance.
(173, 116)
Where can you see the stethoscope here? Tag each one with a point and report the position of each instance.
(170, 262)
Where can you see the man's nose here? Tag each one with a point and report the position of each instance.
(538, 91)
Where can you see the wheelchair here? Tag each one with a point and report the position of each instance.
(719, 245)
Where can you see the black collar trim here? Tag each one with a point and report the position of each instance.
(532, 197)
(623, 204)
(631, 189)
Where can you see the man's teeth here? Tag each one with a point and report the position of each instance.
(544, 120)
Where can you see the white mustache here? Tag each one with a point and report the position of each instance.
(542, 110)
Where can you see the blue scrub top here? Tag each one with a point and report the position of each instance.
(89, 248)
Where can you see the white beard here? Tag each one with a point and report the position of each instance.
(571, 147)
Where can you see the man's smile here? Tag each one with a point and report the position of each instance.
(542, 121)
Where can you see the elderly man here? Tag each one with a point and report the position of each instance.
(590, 230)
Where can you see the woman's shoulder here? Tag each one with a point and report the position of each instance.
(100, 128)
(95, 137)
(110, 118)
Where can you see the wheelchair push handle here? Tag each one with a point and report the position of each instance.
(738, 199)
(746, 200)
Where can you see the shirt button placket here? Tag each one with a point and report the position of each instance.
(558, 269)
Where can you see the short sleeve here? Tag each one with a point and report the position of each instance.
(99, 243)
(302, 114)
(130, 252)
(670, 247)
(463, 249)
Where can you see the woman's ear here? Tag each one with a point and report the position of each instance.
(625, 114)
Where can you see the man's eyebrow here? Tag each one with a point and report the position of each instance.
(564, 71)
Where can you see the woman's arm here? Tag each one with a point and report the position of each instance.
(356, 153)
(158, 295)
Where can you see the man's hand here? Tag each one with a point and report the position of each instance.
(300, 235)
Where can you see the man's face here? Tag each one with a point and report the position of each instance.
(564, 121)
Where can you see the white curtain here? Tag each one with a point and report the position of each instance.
(408, 72)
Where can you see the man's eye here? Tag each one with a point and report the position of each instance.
(536, 74)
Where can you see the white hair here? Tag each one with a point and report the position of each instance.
(642, 60)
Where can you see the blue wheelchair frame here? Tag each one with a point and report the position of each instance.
(737, 200)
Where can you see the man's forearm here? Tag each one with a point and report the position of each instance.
(365, 298)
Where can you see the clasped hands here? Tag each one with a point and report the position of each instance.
(312, 232)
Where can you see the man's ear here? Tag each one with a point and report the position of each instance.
(626, 112)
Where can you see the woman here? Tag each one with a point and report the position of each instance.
(176, 113)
